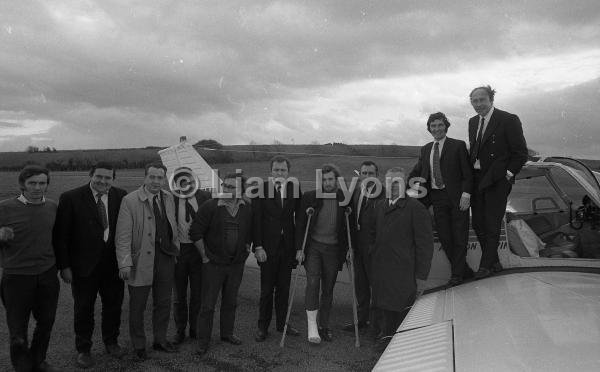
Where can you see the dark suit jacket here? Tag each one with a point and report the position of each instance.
(454, 165)
(309, 199)
(502, 148)
(270, 218)
(361, 238)
(78, 234)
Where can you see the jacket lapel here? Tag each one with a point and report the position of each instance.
(491, 127)
(91, 203)
(113, 206)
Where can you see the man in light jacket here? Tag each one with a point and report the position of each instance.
(146, 246)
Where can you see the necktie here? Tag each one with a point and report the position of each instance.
(279, 196)
(101, 211)
(189, 210)
(437, 172)
(361, 198)
(475, 151)
(157, 213)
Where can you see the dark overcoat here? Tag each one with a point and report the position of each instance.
(401, 253)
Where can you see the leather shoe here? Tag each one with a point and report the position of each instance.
(326, 334)
(349, 327)
(179, 338)
(233, 339)
(141, 354)
(115, 350)
(45, 367)
(455, 280)
(84, 360)
(167, 347)
(291, 331)
(496, 267)
(261, 335)
(482, 273)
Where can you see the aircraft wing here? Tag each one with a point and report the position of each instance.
(184, 155)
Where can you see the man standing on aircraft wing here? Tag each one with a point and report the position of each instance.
(326, 249)
(400, 255)
(444, 164)
(498, 151)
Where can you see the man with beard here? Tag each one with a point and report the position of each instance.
(84, 236)
(326, 249)
(275, 252)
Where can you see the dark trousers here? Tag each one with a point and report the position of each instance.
(389, 321)
(188, 269)
(162, 288)
(362, 277)
(103, 280)
(224, 279)
(452, 226)
(23, 295)
(321, 264)
(488, 207)
(275, 277)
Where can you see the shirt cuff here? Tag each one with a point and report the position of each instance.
(466, 195)
(509, 173)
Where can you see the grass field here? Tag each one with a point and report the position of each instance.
(251, 356)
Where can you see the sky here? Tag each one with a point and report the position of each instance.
(116, 74)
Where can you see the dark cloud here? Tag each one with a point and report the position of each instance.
(245, 71)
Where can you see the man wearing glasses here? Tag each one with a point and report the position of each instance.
(222, 232)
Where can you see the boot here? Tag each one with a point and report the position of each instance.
(313, 330)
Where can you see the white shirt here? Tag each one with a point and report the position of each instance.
(182, 224)
(393, 201)
(441, 145)
(26, 201)
(487, 117)
(104, 199)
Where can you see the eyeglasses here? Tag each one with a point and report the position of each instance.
(228, 186)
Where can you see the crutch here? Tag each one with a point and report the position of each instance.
(350, 265)
(309, 212)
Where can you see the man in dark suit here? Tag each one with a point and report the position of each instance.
(498, 152)
(274, 230)
(363, 201)
(84, 237)
(188, 268)
(444, 165)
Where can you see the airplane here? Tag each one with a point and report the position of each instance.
(542, 311)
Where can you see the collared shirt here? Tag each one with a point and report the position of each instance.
(183, 225)
(151, 196)
(441, 145)
(487, 118)
(393, 201)
(104, 199)
(24, 200)
(232, 206)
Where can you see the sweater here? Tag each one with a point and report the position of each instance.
(30, 252)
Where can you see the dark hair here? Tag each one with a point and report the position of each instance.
(369, 163)
(30, 171)
(280, 159)
(103, 165)
(488, 89)
(437, 116)
(156, 165)
(327, 168)
(235, 176)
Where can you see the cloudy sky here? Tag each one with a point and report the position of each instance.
(116, 73)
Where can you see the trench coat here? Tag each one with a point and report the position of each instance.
(402, 252)
(134, 237)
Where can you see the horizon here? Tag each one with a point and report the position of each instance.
(83, 75)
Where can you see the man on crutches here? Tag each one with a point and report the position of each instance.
(326, 249)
